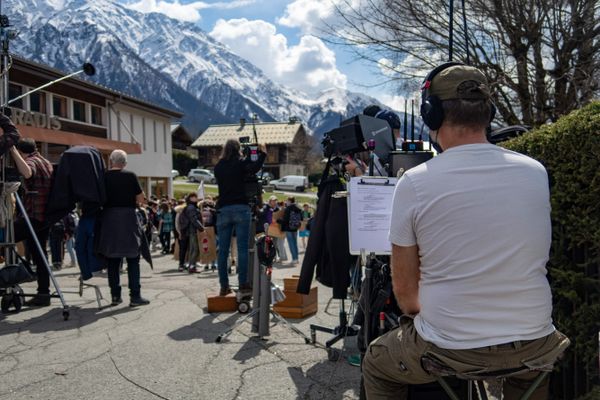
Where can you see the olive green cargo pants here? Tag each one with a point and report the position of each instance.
(393, 361)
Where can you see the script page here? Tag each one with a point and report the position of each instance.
(369, 214)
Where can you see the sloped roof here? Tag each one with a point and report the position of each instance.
(179, 132)
(267, 132)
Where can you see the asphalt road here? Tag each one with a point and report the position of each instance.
(165, 350)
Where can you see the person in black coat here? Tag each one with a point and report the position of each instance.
(328, 249)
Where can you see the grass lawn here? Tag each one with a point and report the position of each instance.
(181, 188)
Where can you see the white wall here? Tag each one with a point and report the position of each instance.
(150, 163)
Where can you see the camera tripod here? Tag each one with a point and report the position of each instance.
(262, 296)
(15, 293)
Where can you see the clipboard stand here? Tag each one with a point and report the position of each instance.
(369, 214)
(376, 181)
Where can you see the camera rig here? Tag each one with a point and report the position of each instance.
(252, 183)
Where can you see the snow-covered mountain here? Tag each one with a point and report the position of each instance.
(168, 62)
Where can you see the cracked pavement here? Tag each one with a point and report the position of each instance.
(166, 350)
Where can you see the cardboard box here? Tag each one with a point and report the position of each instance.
(207, 243)
(216, 303)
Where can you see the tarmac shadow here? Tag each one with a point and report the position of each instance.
(206, 329)
(251, 349)
(324, 380)
(52, 321)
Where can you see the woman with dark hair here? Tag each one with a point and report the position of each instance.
(233, 210)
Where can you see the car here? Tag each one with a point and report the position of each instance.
(201, 175)
(266, 177)
(291, 182)
(174, 173)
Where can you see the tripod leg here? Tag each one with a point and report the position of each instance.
(42, 256)
(289, 326)
(235, 326)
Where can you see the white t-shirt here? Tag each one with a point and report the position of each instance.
(480, 215)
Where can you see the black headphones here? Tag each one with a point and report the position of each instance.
(432, 111)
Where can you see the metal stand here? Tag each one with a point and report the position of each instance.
(262, 311)
(38, 246)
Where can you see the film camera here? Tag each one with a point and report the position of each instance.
(252, 183)
(354, 134)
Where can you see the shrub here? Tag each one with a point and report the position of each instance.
(570, 151)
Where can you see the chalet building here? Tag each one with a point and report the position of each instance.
(181, 138)
(76, 112)
(287, 144)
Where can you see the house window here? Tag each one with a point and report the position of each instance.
(37, 102)
(96, 115)
(15, 91)
(59, 106)
(79, 111)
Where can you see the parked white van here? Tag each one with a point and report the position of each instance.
(291, 182)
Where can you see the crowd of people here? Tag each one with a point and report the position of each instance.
(172, 227)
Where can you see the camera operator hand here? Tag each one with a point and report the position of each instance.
(353, 168)
(262, 147)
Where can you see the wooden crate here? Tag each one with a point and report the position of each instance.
(216, 303)
(293, 299)
(297, 305)
(291, 284)
(297, 312)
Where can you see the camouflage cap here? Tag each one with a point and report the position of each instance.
(460, 82)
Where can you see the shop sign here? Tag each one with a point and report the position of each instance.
(37, 120)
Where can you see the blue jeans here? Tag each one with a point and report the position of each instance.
(292, 239)
(84, 247)
(228, 218)
(70, 249)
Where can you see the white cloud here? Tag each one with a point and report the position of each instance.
(310, 16)
(309, 66)
(394, 102)
(184, 12)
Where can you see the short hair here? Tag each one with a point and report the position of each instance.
(474, 114)
(26, 145)
(292, 199)
(118, 157)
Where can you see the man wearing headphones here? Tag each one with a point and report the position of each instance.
(470, 233)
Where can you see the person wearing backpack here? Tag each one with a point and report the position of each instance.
(292, 220)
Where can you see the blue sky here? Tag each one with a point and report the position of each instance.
(282, 38)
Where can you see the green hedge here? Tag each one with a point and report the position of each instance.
(570, 151)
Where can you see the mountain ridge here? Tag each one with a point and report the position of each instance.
(168, 62)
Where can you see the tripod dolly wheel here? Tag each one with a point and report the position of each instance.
(66, 313)
(14, 299)
(243, 307)
(219, 339)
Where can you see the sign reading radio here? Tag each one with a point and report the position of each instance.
(37, 120)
